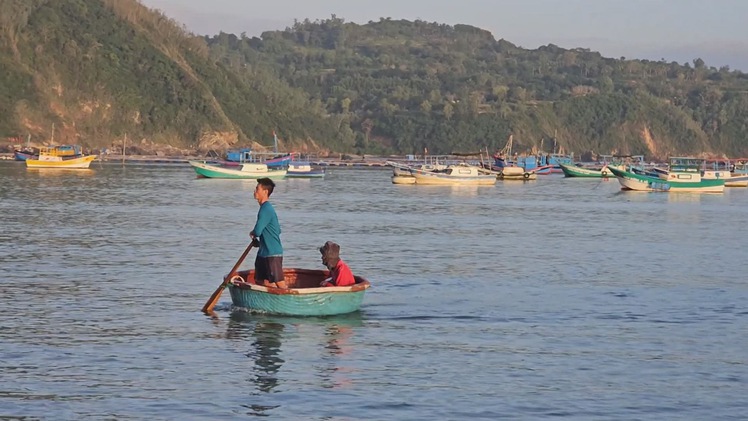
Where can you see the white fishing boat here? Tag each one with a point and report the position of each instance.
(403, 173)
(304, 169)
(460, 174)
(710, 170)
(722, 168)
(517, 173)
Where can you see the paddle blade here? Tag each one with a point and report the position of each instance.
(213, 300)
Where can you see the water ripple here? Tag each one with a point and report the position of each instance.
(555, 298)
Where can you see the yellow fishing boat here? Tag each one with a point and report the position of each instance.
(54, 158)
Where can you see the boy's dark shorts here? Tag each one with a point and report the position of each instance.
(270, 268)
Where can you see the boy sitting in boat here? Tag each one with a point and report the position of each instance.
(340, 273)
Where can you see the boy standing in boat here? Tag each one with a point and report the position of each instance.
(266, 233)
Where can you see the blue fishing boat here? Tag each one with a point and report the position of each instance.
(271, 159)
(239, 155)
(247, 155)
(303, 297)
(277, 161)
(531, 163)
(22, 155)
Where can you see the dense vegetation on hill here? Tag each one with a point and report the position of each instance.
(411, 85)
(99, 69)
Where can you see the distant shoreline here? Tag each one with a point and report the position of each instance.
(176, 160)
(184, 160)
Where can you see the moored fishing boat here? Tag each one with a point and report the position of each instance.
(723, 168)
(276, 161)
(536, 162)
(273, 160)
(303, 297)
(681, 177)
(54, 158)
(64, 151)
(303, 169)
(403, 173)
(634, 163)
(243, 171)
(517, 173)
(402, 177)
(572, 170)
(24, 154)
(737, 181)
(460, 174)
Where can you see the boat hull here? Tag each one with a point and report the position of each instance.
(441, 180)
(571, 170)
(403, 179)
(278, 162)
(456, 175)
(23, 156)
(737, 181)
(517, 173)
(213, 171)
(730, 179)
(637, 182)
(304, 297)
(79, 163)
(304, 170)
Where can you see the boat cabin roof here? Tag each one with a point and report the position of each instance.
(686, 163)
(61, 150)
(462, 170)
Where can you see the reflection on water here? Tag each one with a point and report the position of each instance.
(265, 338)
(445, 190)
(325, 339)
(686, 197)
(266, 354)
(58, 172)
(337, 375)
(265, 351)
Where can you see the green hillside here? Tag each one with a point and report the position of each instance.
(97, 70)
(409, 85)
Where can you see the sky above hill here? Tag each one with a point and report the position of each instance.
(674, 30)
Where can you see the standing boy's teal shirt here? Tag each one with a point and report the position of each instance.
(268, 230)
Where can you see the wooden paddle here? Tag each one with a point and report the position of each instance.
(213, 300)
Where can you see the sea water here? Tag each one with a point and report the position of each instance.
(558, 297)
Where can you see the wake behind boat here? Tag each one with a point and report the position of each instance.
(243, 171)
